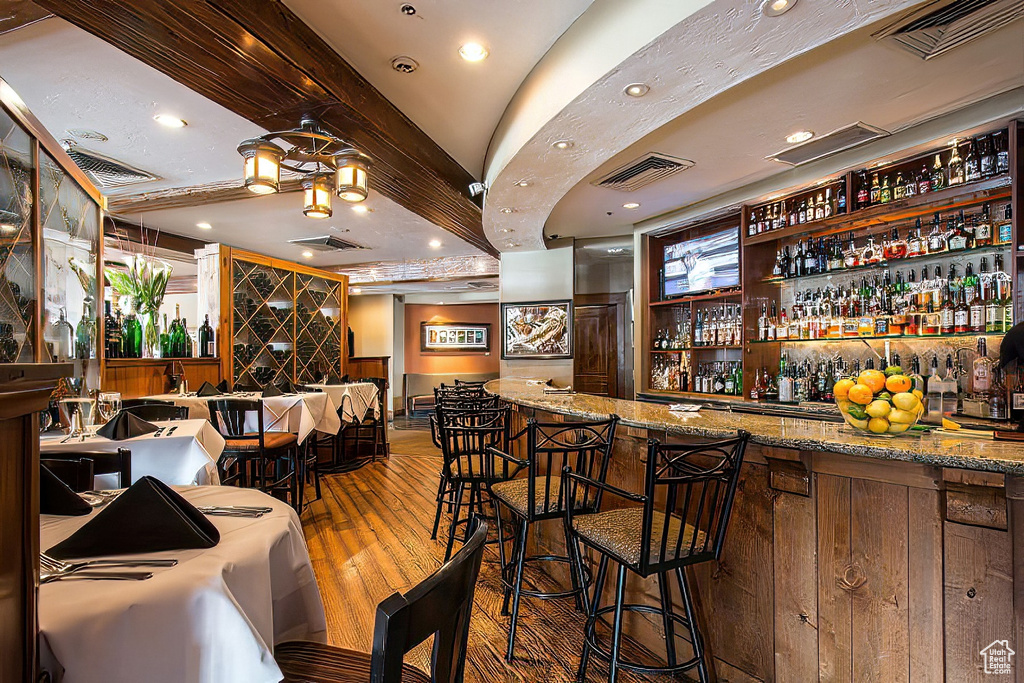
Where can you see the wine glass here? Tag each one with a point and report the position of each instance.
(108, 404)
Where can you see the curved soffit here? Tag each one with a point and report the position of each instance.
(711, 47)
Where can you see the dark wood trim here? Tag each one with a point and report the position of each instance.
(20, 13)
(260, 61)
(193, 195)
(120, 229)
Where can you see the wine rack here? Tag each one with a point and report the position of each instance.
(317, 324)
(263, 324)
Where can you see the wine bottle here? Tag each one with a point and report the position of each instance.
(207, 344)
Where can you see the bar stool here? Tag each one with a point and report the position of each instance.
(681, 521)
(584, 448)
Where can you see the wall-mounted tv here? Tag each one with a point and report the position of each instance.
(700, 264)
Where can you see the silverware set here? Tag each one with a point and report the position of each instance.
(52, 569)
(234, 510)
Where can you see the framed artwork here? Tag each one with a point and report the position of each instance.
(539, 329)
(455, 337)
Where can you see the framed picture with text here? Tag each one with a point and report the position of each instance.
(455, 337)
(537, 329)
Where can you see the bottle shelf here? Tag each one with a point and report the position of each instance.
(712, 296)
(712, 347)
(667, 351)
(930, 337)
(882, 265)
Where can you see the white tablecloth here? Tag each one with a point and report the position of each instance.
(214, 618)
(188, 456)
(299, 414)
(355, 399)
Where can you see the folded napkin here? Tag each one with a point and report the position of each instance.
(208, 389)
(272, 391)
(57, 498)
(149, 517)
(125, 426)
(222, 386)
(287, 387)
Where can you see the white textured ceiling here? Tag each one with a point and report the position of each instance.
(457, 103)
(854, 78)
(265, 224)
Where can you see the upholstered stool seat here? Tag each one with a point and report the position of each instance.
(306, 662)
(516, 494)
(619, 533)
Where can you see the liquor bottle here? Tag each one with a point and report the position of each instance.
(835, 254)
(829, 207)
(872, 253)
(773, 323)
(177, 334)
(85, 333)
(810, 259)
(111, 333)
(933, 404)
(841, 198)
(762, 323)
(875, 192)
(915, 246)
(983, 229)
(972, 163)
(189, 348)
(988, 158)
(819, 208)
(801, 263)
(802, 215)
(936, 238)
(924, 180)
(863, 191)
(782, 329)
(938, 174)
(1002, 152)
(916, 380)
(981, 371)
(997, 396)
(131, 337)
(207, 343)
(898, 247)
(962, 314)
(899, 187)
(1002, 286)
(777, 270)
(851, 256)
(947, 313)
(165, 340)
(993, 303)
(1003, 232)
(955, 167)
(885, 193)
(951, 389)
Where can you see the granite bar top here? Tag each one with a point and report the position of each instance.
(935, 448)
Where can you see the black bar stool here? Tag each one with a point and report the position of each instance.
(584, 448)
(681, 521)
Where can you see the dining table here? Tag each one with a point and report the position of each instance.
(301, 414)
(355, 399)
(184, 452)
(215, 617)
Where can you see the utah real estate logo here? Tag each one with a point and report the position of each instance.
(998, 657)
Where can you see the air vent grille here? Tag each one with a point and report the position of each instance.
(327, 243)
(641, 172)
(945, 24)
(106, 172)
(836, 141)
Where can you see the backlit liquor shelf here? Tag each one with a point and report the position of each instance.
(920, 252)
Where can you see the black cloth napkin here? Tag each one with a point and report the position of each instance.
(272, 391)
(149, 517)
(57, 498)
(222, 386)
(287, 387)
(124, 426)
(208, 389)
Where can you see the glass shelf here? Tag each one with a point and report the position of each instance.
(931, 337)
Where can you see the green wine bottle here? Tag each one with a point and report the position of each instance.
(132, 336)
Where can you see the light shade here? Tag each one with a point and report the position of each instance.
(317, 192)
(350, 178)
(262, 170)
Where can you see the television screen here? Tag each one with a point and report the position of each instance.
(703, 263)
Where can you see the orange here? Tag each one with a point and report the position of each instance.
(898, 383)
(860, 393)
(842, 388)
(874, 379)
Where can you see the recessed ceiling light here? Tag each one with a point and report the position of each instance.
(562, 144)
(170, 121)
(512, 245)
(775, 8)
(508, 210)
(631, 205)
(360, 208)
(473, 52)
(523, 183)
(307, 254)
(356, 290)
(204, 226)
(434, 244)
(637, 89)
(506, 230)
(800, 136)
(440, 303)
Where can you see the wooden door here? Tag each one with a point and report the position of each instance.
(595, 339)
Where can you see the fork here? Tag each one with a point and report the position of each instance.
(51, 576)
(60, 566)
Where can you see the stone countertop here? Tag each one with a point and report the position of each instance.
(938, 449)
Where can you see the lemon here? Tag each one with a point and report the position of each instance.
(905, 401)
(897, 428)
(878, 408)
(919, 394)
(904, 417)
(854, 422)
(844, 405)
(878, 425)
(949, 424)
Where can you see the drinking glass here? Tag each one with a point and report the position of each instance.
(108, 404)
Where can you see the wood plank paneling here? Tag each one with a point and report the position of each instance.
(796, 588)
(135, 378)
(836, 579)
(924, 546)
(978, 580)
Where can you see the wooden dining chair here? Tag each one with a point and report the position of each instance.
(262, 459)
(157, 411)
(118, 462)
(77, 472)
(440, 606)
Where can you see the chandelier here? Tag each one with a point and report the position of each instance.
(329, 166)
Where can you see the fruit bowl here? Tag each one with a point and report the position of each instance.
(877, 402)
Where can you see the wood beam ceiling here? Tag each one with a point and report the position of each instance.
(15, 14)
(260, 61)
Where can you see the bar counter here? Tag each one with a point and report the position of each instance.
(848, 557)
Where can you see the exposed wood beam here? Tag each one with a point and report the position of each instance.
(15, 14)
(260, 61)
(118, 229)
(194, 195)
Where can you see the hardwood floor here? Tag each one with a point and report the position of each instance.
(370, 537)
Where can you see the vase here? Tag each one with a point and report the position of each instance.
(151, 334)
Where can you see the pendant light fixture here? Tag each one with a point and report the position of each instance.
(328, 164)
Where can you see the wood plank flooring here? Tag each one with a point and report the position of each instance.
(370, 537)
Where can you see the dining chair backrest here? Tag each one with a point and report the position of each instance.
(461, 402)
(688, 499)
(463, 384)
(465, 436)
(76, 472)
(439, 606)
(464, 391)
(118, 462)
(158, 411)
(382, 394)
(228, 416)
(585, 447)
(131, 402)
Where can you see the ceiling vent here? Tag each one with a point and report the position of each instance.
(327, 243)
(482, 286)
(943, 25)
(641, 172)
(106, 172)
(836, 141)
